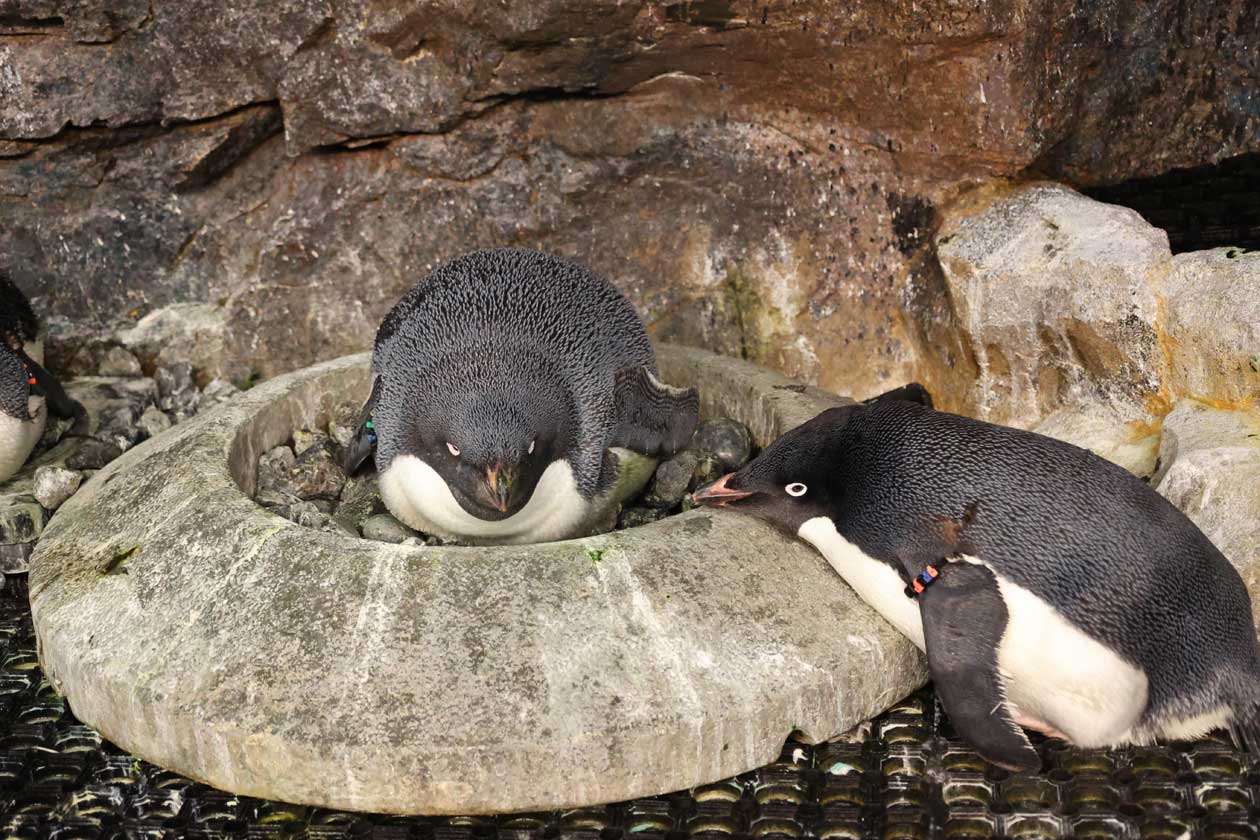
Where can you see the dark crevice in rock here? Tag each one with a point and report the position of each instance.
(17, 25)
(1202, 207)
(241, 140)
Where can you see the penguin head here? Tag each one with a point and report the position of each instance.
(490, 446)
(493, 451)
(793, 480)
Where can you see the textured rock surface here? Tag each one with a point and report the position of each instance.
(1081, 318)
(1057, 295)
(1211, 470)
(761, 178)
(1212, 328)
(564, 673)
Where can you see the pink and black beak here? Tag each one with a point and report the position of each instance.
(718, 494)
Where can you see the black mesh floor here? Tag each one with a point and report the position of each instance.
(905, 777)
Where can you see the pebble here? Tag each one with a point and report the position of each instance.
(153, 422)
(725, 440)
(21, 519)
(669, 484)
(118, 426)
(177, 392)
(707, 471)
(119, 362)
(92, 454)
(316, 474)
(217, 391)
(385, 528)
(274, 466)
(633, 517)
(341, 427)
(304, 440)
(53, 485)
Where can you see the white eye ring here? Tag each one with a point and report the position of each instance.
(795, 489)
(531, 447)
(454, 450)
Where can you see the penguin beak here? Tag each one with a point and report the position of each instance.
(718, 494)
(499, 481)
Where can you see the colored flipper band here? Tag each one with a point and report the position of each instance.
(922, 581)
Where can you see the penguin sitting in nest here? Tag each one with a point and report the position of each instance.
(515, 399)
(1051, 589)
(27, 391)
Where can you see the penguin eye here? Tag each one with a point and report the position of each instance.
(795, 489)
(531, 446)
(454, 450)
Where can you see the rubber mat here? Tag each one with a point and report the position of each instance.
(903, 776)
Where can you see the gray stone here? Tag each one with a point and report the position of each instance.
(216, 392)
(670, 482)
(154, 421)
(305, 439)
(360, 498)
(53, 485)
(660, 658)
(177, 392)
(274, 467)
(120, 426)
(119, 362)
(724, 440)
(1210, 469)
(315, 474)
(633, 517)
(92, 455)
(342, 424)
(21, 519)
(182, 333)
(385, 528)
(708, 470)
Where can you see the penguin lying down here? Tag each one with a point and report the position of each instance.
(1050, 589)
(27, 391)
(515, 400)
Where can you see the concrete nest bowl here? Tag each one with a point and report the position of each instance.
(204, 634)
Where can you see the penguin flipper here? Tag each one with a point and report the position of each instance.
(911, 392)
(964, 617)
(651, 417)
(47, 386)
(363, 445)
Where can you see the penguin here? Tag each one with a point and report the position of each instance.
(1050, 589)
(515, 399)
(27, 391)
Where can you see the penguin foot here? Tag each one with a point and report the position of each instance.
(1041, 726)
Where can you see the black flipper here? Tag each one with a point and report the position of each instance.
(46, 385)
(653, 418)
(913, 392)
(363, 445)
(964, 618)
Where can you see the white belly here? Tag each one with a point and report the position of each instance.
(875, 582)
(1052, 671)
(18, 438)
(415, 493)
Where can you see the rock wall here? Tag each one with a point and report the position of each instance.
(761, 178)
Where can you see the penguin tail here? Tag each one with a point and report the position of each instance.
(1245, 727)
